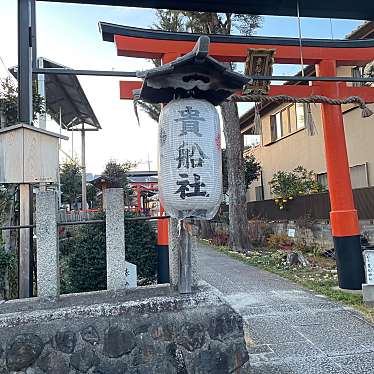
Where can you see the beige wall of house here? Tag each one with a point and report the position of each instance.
(298, 148)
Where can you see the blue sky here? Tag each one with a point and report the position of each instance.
(68, 34)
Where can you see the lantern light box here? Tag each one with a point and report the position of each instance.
(190, 170)
(28, 154)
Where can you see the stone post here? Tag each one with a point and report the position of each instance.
(47, 245)
(115, 239)
(173, 253)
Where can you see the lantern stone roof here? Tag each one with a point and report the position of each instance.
(195, 74)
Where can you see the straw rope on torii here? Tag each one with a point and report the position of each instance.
(314, 99)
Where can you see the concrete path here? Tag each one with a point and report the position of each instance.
(290, 330)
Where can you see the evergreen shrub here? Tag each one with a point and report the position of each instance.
(84, 268)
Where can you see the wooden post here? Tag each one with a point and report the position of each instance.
(139, 201)
(25, 237)
(25, 114)
(84, 182)
(185, 259)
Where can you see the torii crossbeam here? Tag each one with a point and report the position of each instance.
(326, 55)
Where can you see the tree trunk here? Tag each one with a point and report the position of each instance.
(238, 222)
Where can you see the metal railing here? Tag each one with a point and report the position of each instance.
(87, 222)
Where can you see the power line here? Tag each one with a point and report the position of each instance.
(6, 69)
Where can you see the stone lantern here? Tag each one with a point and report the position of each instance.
(190, 170)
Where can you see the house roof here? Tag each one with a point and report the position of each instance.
(315, 8)
(143, 179)
(364, 31)
(142, 173)
(133, 177)
(65, 92)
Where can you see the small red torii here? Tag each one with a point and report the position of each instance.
(326, 55)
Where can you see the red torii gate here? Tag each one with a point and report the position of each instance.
(139, 187)
(326, 56)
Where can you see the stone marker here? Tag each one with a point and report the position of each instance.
(368, 287)
(47, 244)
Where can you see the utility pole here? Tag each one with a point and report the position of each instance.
(25, 114)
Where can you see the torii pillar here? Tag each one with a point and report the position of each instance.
(343, 216)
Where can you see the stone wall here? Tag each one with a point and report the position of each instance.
(318, 232)
(146, 330)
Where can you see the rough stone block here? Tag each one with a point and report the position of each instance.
(150, 330)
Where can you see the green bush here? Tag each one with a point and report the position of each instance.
(85, 266)
(7, 267)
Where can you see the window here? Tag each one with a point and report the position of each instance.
(278, 121)
(287, 121)
(259, 193)
(358, 72)
(273, 128)
(359, 177)
(363, 72)
(322, 180)
(251, 140)
(292, 112)
(300, 116)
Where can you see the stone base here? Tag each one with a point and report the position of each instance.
(351, 292)
(146, 330)
(368, 294)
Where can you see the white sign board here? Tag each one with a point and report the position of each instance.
(131, 275)
(369, 266)
(291, 233)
